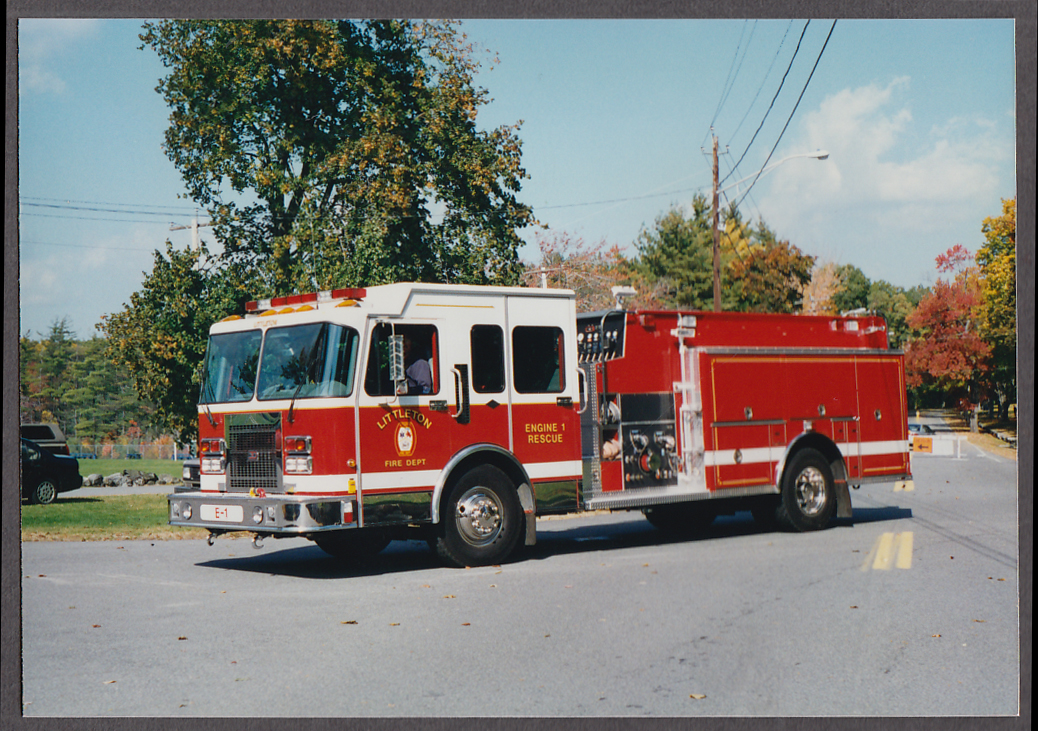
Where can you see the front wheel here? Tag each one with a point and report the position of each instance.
(808, 499)
(44, 494)
(481, 519)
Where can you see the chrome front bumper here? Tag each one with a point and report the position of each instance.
(278, 514)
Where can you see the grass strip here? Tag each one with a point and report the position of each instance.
(103, 518)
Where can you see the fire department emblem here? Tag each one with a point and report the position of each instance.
(405, 438)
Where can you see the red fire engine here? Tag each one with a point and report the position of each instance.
(461, 413)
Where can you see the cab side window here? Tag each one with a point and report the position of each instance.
(421, 360)
(487, 344)
(537, 360)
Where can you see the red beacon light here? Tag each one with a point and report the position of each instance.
(301, 302)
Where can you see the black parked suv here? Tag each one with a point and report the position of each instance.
(44, 475)
(47, 436)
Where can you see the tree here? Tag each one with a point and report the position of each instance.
(946, 350)
(102, 395)
(853, 292)
(759, 273)
(590, 270)
(997, 262)
(771, 278)
(160, 337)
(894, 304)
(819, 293)
(342, 153)
(676, 257)
(44, 374)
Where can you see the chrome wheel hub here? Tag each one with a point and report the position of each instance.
(478, 516)
(810, 492)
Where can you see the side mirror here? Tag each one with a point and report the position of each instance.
(396, 363)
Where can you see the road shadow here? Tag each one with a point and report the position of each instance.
(876, 515)
(554, 538)
(310, 562)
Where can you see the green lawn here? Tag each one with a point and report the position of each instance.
(102, 518)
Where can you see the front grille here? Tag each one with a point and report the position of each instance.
(252, 458)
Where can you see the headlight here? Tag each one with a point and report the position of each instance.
(186, 511)
(299, 465)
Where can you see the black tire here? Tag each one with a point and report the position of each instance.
(44, 493)
(352, 545)
(481, 519)
(808, 500)
(684, 519)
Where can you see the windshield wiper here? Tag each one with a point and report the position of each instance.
(203, 397)
(310, 360)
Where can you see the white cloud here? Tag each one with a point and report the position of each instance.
(40, 42)
(894, 193)
(869, 135)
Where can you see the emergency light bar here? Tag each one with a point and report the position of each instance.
(293, 300)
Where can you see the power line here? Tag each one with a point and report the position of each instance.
(795, 106)
(94, 218)
(619, 200)
(767, 75)
(99, 210)
(727, 88)
(777, 91)
(181, 209)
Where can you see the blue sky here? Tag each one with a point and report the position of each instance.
(917, 117)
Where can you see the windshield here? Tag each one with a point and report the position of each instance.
(230, 367)
(301, 361)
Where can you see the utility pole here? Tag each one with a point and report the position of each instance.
(195, 244)
(717, 238)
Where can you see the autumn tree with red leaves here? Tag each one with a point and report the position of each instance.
(947, 351)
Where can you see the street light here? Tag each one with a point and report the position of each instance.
(818, 155)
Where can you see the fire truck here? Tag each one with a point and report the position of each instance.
(459, 414)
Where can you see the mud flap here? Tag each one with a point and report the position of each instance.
(526, 500)
(843, 499)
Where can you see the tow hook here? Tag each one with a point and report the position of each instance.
(257, 542)
(211, 540)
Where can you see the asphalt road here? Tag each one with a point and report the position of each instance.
(911, 609)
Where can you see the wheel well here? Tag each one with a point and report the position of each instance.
(489, 455)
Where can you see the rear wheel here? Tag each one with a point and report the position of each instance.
(352, 545)
(44, 494)
(481, 519)
(808, 500)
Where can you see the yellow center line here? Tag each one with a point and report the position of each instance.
(890, 550)
(904, 551)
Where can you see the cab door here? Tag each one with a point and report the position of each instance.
(404, 435)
